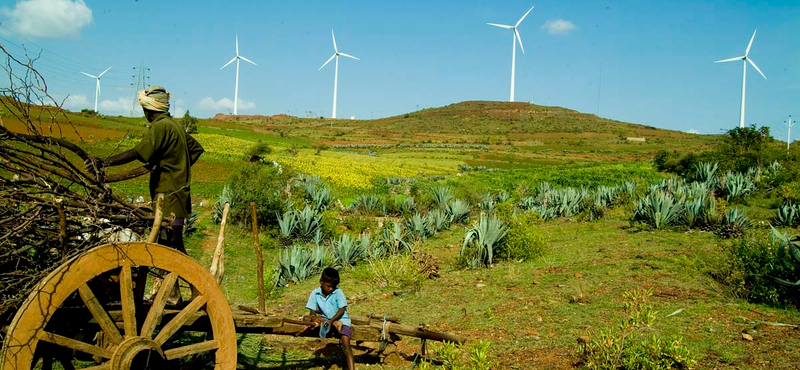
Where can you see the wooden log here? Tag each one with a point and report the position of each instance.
(153, 237)
(218, 261)
(260, 268)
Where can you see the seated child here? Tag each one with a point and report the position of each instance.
(330, 302)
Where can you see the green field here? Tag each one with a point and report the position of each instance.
(532, 312)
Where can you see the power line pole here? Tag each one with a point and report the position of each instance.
(789, 134)
(142, 79)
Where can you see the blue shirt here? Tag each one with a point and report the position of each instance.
(330, 305)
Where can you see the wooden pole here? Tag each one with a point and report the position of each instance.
(218, 262)
(260, 269)
(157, 219)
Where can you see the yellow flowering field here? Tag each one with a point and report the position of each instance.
(224, 145)
(356, 170)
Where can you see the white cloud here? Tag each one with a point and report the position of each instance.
(558, 27)
(693, 131)
(47, 18)
(77, 102)
(119, 107)
(223, 105)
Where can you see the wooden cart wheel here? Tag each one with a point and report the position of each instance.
(142, 343)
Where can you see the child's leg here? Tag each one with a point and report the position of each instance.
(348, 351)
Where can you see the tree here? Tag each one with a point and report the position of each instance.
(189, 123)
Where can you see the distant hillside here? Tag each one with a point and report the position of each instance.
(491, 117)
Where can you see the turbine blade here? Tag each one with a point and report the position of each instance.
(729, 60)
(349, 56)
(750, 44)
(328, 61)
(519, 39)
(237, 45)
(334, 42)
(500, 25)
(756, 67)
(247, 60)
(104, 72)
(226, 64)
(523, 17)
(89, 75)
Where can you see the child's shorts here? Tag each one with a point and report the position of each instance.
(345, 331)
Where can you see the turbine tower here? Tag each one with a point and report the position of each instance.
(97, 88)
(789, 134)
(336, 55)
(236, 91)
(745, 60)
(513, 47)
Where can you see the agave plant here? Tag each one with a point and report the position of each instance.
(788, 215)
(417, 226)
(787, 249)
(226, 197)
(528, 203)
(487, 204)
(307, 223)
(438, 220)
(367, 204)
(700, 211)
(503, 197)
(406, 205)
(298, 263)
(441, 195)
(733, 224)
(607, 196)
(346, 252)
(319, 197)
(394, 239)
(482, 240)
(287, 224)
(458, 211)
(373, 250)
(736, 185)
(659, 210)
(569, 202)
(772, 174)
(543, 187)
(190, 224)
(545, 213)
(704, 172)
(629, 189)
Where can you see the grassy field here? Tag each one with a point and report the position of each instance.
(532, 312)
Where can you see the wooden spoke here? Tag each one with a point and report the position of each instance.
(100, 314)
(157, 309)
(74, 344)
(175, 324)
(191, 349)
(126, 299)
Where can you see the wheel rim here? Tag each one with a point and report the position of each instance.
(29, 328)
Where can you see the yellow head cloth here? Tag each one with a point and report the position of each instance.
(155, 98)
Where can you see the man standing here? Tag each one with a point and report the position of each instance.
(168, 152)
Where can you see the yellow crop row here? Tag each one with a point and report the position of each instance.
(356, 170)
(224, 145)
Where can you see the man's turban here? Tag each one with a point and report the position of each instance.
(155, 98)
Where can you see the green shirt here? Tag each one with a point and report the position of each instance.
(169, 153)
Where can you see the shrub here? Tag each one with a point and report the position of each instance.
(397, 272)
(188, 123)
(755, 265)
(524, 240)
(481, 241)
(627, 347)
(262, 185)
(358, 223)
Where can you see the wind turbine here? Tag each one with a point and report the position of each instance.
(236, 58)
(746, 60)
(513, 47)
(789, 134)
(336, 55)
(97, 89)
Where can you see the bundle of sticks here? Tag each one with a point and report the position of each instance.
(52, 205)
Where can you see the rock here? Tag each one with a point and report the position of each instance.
(584, 339)
(747, 337)
(536, 282)
(578, 275)
(140, 199)
(480, 285)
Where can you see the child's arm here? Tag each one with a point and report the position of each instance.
(312, 316)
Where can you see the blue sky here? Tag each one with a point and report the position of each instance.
(657, 57)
